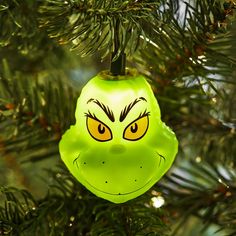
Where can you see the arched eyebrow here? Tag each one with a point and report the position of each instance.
(105, 108)
(127, 109)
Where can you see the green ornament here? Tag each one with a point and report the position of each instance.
(119, 147)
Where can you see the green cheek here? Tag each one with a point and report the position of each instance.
(119, 157)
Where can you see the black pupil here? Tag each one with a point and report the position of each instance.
(101, 129)
(134, 128)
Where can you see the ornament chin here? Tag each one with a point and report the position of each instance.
(120, 197)
(126, 182)
(123, 144)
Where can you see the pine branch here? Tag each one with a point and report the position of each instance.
(196, 45)
(206, 190)
(17, 25)
(90, 24)
(26, 46)
(34, 113)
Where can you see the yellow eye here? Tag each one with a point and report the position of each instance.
(98, 130)
(137, 129)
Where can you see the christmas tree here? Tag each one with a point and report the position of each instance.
(49, 49)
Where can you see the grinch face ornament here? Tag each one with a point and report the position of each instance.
(119, 147)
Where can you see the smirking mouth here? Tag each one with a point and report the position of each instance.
(161, 157)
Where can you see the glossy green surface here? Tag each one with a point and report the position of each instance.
(119, 147)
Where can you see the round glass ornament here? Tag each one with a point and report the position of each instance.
(119, 147)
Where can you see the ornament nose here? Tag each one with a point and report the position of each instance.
(117, 149)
